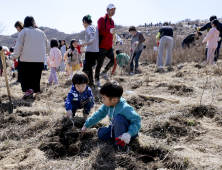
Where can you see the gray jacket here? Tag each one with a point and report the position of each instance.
(92, 36)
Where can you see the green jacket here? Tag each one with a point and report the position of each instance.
(122, 108)
(122, 59)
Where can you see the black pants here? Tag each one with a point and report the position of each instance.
(30, 75)
(90, 59)
(102, 54)
(19, 70)
(217, 52)
(185, 45)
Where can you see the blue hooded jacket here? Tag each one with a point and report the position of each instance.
(75, 96)
(122, 108)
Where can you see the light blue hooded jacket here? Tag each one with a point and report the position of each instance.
(122, 108)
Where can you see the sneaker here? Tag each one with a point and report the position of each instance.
(160, 70)
(169, 68)
(98, 84)
(28, 93)
(104, 75)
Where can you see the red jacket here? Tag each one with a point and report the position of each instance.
(107, 41)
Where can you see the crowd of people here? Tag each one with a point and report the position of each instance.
(32, 48)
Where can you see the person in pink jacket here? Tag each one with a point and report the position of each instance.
(212, 41)
(54, 61)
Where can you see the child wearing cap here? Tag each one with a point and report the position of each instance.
(125, 123)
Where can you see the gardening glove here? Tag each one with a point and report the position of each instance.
(119, 142)
(112, 30)
(69, 113)
(136, 43)
(126, 138)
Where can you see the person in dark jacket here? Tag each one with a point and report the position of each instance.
(208, 27)
(106, 31)
(190, 39)
(80, 96)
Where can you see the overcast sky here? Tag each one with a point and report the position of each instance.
(66, 15)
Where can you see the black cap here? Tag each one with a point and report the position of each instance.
(213, 17)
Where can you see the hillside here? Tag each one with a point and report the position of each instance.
(179, 29)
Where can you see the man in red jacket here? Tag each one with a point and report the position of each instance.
(106, 31)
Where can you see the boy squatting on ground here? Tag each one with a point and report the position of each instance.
(80, 96)
(125, 123)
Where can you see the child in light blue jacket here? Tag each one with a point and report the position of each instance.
(125, 123)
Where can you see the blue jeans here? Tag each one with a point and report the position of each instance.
(86, 108)
(120, 126)
(136, 57)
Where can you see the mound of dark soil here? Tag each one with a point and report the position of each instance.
(136, 85)
(120, 79)
(179, 74)
(61, 141)
(29, 113)
(177, 126)
(138, 157)
(180, 89)
(138, 102)
(204, 110)
(198, 66)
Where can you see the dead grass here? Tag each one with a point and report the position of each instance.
(34, 136)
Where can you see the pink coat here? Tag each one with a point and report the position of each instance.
(55, 57)
(212, 38)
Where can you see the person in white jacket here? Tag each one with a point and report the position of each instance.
(32, 46)
(212, 41)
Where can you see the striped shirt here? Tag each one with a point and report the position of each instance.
(92, 36)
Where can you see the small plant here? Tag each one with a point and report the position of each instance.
(186, 161)
(167, 124)
(191, 123)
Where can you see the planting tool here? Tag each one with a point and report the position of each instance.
(74, 129)
(10, 106)
(114, 51)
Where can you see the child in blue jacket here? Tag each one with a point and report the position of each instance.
(125, 123)
(80, 96)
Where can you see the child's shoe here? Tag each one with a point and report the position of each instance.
(104, 75)
(98, 84)
(28, 93)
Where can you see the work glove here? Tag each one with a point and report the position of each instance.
(112, 30)
(198, 29)
(69, 113)
(136, 43)
(123, 139)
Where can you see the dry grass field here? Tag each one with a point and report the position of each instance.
(184, 135)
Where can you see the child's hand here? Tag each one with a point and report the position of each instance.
(84, 129)
(69, 113)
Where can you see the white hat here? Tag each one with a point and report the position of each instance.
(111, 6)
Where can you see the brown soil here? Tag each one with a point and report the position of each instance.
(184, 135)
